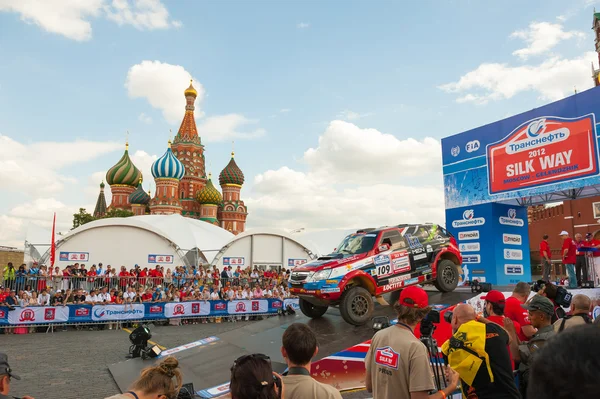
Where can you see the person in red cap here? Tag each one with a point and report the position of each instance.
(397, 362)
(494, 312)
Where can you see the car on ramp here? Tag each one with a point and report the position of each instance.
(372, 262)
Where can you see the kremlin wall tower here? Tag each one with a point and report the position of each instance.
(182, 185)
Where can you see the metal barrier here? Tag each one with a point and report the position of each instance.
(39, 283)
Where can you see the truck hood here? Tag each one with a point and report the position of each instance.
(329, 261)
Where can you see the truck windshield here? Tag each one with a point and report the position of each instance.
(356, 244)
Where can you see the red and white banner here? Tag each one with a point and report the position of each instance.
(543, 151)
(38, 315)
(240, 307)
(187, 309)
(117, 312)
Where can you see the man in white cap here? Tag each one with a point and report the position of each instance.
(569, 251)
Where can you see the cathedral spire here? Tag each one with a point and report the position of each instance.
(188, 133)
(100, 209)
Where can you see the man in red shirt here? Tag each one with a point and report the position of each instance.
(569, 257)
(545, 254)
(494, 312)
(514, 311)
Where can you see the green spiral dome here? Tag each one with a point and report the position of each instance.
(124, 172)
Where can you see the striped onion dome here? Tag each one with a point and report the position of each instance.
(139, 196)
(168, 166)
(209, 195)
(124, 172)
(232, 174)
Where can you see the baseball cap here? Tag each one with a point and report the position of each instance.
(5, 368)
(494, 296)
(417, 297)
(563, 233)
(540, 303)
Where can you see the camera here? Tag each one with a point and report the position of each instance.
(477, 287)
(563, 297)
(448, 316)
(427, 326)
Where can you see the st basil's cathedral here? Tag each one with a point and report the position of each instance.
(182, 186)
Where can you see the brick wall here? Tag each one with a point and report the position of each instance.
(16, 257)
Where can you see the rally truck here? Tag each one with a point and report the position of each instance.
(372, 262)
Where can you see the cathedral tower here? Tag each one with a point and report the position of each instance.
(188, 148)
(233, 213)
(167, 172)
(123, 179)
(139, 200)
(100, 209)
(210, 199)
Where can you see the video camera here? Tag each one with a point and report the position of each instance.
(427, 324)
(561, 297)
(478, 287)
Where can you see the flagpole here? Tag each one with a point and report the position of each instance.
(53, 243)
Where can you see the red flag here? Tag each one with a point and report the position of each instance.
(53, 244)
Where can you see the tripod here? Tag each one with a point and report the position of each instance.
(437, 362)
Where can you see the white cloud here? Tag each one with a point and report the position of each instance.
(141, 14)
(145, 118)
(36, 168)
(144, 162)
(162, 85)
(355, 177)
(542, 37)
(553, 79)
(350, 154)
(303, 25)
(227, 127)
(72, 18)
(352, 116)
(284, 110)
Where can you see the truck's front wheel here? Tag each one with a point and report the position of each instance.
(356, 306)
(310, 310)
(447, 276)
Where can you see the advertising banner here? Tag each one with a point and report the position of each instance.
(245, 307)
(160, 259)
(117, 312)
(74, 257)
(139, 311)
(38, 315)
(549, 149)
(187, 309)
(228, 261)
(296, 262)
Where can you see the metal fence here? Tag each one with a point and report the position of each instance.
(32, 283)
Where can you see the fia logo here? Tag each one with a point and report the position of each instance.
(455, 151)
(472, 146)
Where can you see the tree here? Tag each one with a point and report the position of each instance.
(118, 213)
(82, 218)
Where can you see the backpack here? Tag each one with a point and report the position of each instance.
(584, 316)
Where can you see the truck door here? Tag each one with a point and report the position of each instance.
(419, 256)
(400, 262)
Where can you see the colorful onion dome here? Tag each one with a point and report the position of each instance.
(124, 172)
(209, 195)
(168, 166)
(232, 174)
(190, 91)
(139, 196)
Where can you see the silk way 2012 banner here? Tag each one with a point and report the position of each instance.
(549, 149)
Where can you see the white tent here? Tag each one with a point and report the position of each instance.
(144, 240)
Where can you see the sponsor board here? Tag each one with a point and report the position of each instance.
(513, 270)
(543, 151)
(512, 239)
(296, 262)
(183, 309)
(117, 312)
(400, 262)
(469, 247)
(74, 256)
(472, 259)
(249, 306)
(229, 261)
(38, 315)
(153, 258)
(516, 254)
(472, 146)
(468, 220)
(381, 260)
(511, 219)
(468, 235)
(181, 348)
(386, 357)
(293, 302)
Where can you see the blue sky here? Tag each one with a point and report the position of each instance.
(287, 68)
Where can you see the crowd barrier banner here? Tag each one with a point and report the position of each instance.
(73, 314)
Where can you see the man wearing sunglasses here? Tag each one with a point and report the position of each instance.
(5, 376)
(299, 347)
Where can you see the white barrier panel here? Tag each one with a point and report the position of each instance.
(117, 312)
(38, 315)
(183, 309)
(292, 301)
(256, 306)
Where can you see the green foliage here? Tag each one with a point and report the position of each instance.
(84, 217)
(118, 213)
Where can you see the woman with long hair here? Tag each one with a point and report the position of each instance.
(253, 378)
(162, 381)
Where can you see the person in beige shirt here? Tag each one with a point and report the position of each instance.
(299, 347)
(580, 309)
(397, 362)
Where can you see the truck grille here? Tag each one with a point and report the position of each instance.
(298, 277)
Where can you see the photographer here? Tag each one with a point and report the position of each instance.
(397, 362)
(580, 309)
(550, 291)
(478, 352)
(540, 311)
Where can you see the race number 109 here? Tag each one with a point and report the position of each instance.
(384, 270)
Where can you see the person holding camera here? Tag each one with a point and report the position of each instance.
(479, 352)
(540, 310)
(397, 362)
